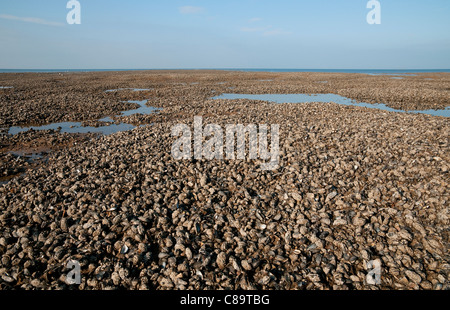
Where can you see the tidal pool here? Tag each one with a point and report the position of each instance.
(398, 74)
(119, 89)
(305, 98)
(76, 127)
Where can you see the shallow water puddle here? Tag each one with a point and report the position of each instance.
(76, 127)
(5, 180)
(133, 89)
(143, 109)
(397, 74)
(305, 98)
(29, 156)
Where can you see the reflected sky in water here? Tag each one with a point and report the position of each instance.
(76, 127)
(305, 98)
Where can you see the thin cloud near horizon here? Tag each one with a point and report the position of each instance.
(34, 20)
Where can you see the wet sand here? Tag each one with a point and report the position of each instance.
(353, 185)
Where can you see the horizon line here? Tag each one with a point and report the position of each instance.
(154, 69)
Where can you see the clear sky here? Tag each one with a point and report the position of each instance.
(303, 34)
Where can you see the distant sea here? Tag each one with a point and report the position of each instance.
(364, 71)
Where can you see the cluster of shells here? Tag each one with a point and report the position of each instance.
(353, 185)
(38, 99)
(48, 98)
(21, 152)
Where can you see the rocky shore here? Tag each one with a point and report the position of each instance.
(353, 185)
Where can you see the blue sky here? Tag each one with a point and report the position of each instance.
(135, 34)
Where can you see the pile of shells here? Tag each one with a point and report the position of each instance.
(21, 152)
(37, 98)
(353, 185)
